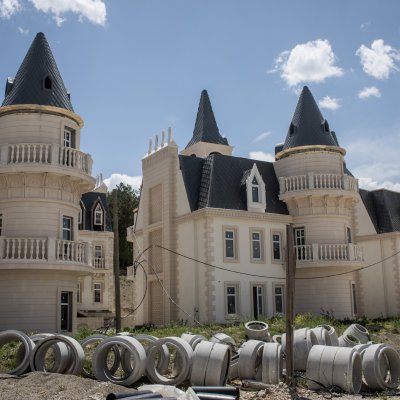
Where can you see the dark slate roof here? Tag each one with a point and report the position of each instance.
(308, 126)
(216, 182)
(89, 201)
(206, 129)
(28, 85)
(383, 207)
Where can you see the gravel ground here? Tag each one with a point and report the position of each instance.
(45, 386)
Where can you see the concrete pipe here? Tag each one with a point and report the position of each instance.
(359, 332)
(233, 372)
(74, 355)
(250, 358)
(303, 340)
(146, 341)
(331, 365)
(347, 340)
(95, 340)
(193, 340)
(332, 334)
(271, 364)
(257, 330)
(381, 367)
(224, 339)
(184, 353)
(22, 364)
(322, 336)
(210, 364)
(137, 360)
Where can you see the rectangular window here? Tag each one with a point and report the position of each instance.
(300, 241)
(354, 298)
(66, 312)
(256, 245)
(348, 233)
(97, 292)
(279, 299)
(98, 215)
(255, 191)
(276, 246)
(67, 228)
(98, 251)
(258, 300)
(230, 244)
(232, 303)
(67, 137)
(79, 292)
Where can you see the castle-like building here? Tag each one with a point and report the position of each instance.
(56, 244)
(213, 228)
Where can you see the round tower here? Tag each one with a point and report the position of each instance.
(42, 177)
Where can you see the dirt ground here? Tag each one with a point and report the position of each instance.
(45, 386)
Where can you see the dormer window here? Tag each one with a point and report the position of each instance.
(326, 126)
(98, 215)
(48, 84)
(255, 191)
(291, 128)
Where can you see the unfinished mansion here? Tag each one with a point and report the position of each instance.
(56, 244)
(213, 228)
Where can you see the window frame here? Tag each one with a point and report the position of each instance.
(255, 188)
(260, 205)
(280, 233)
(98, 210)
(349, 235)
(101, 250)
(98, 288)
(70, 229)
(257, 285)
(235, 246)
(282, 295)
(261, 232)
(236, 286)
(79, 290)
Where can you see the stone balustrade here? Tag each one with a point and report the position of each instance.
(44, 250)
(317, 181)
(328, 253)
(45, 154)
(99, 263)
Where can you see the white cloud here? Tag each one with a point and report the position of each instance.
(329, 103)
(370, 184)
(59, 20)
(23, 31)
(260, 155)
(9, 7)
(365, 25)
(313, 61)
(368, 92)
(92, 10)
(261, 137)
(116, 179)
(379, 60)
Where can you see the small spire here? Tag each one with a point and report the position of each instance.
(308, 126)
(206, 129)
(38, 80)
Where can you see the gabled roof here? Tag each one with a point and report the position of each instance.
(206, 129)
(216, 182)
(89, 200)
(28, 87)
(308, 126)
(383, 207)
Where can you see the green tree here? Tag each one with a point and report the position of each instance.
(128, 200)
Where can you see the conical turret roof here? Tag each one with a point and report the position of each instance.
(206, 129)
(308, 126)
(38, 80)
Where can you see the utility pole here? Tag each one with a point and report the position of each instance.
(116, 263)
(290, 289)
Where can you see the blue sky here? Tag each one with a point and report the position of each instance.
(136, 67)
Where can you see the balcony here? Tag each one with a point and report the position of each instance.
(44, 251)
(311, 181)
(40, 154)
(328, 254)
(99, 263)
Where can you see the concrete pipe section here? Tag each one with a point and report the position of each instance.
(381, 367)
(331, 365)
(250, 359)
(174, 376)
(357, 331)
(132, 372)
(72, 360)
(22, 364)
(322, 336)
(257, 330)
(193, 340)
(347, 340)
(303, 340)
(210, 364)
(272, 363)
(332, 334)
(223, 339)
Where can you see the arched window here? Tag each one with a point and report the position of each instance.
(255, 190)
(48, 84)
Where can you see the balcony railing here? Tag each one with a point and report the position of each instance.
(317, 181)
(99, 263)
(328, 252)
(44, 250)
(46, 154)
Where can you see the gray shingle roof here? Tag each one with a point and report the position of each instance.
(308, 126)
(206, 129)
(383, 207)
(28, 86)
(216, 182)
